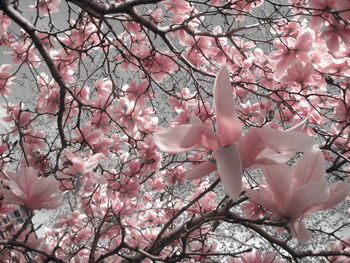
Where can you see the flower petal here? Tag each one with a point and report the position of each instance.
(229, 165)
(178, 139)
(300, 126)
(279, 180)
(299, 231)
(310, 168)
(200, 171)
(305, 199)
(228, 125)
(285, 141)
(262, 197)
(337, 194)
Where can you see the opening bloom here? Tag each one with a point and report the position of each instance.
(234, 151)
(31, 191)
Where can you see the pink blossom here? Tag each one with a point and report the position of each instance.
(301, 73)
(320, 16)
(5, 79)
(24, 52)
(290, 49)
(342, 246)
(5, 21)
(233, 151)
(335, 32)
(177, 6)
(292, 194)
(31, 191)
(81, 166)
(343, 6)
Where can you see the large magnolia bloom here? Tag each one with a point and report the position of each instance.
(234, 151)
(31, 191)
(292, 194)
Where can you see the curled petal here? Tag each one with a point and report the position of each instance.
(300, 126)
(228, 125)
(200, 171)
(229, 165)
(178, 139)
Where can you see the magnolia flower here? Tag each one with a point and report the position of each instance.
(31, 191)
(81, 166)
(234, 151)
(292, 194)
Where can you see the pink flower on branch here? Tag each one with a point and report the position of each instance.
(292, 194)
(234, 151)
(31, 191)
(5, 79)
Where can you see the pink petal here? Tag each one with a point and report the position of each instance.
(228, 125)
(333, 42)
(12, 198)
(250, 147)
(200, 171)
(284, 141)
(229, 165)
(310, 168)
(305, 199)
(279, 181)
(263, 198)
(300, 126)
(299, 231)
(93, 161)
(268, 157)
(178, 139)
(337, 194)
(25, 179)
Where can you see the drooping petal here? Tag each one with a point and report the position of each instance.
(228, 125)
(310, 168)
(178, 139)
(229, 165)
(299, 231)
(200, 171)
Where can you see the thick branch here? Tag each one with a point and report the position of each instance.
(31, 31)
